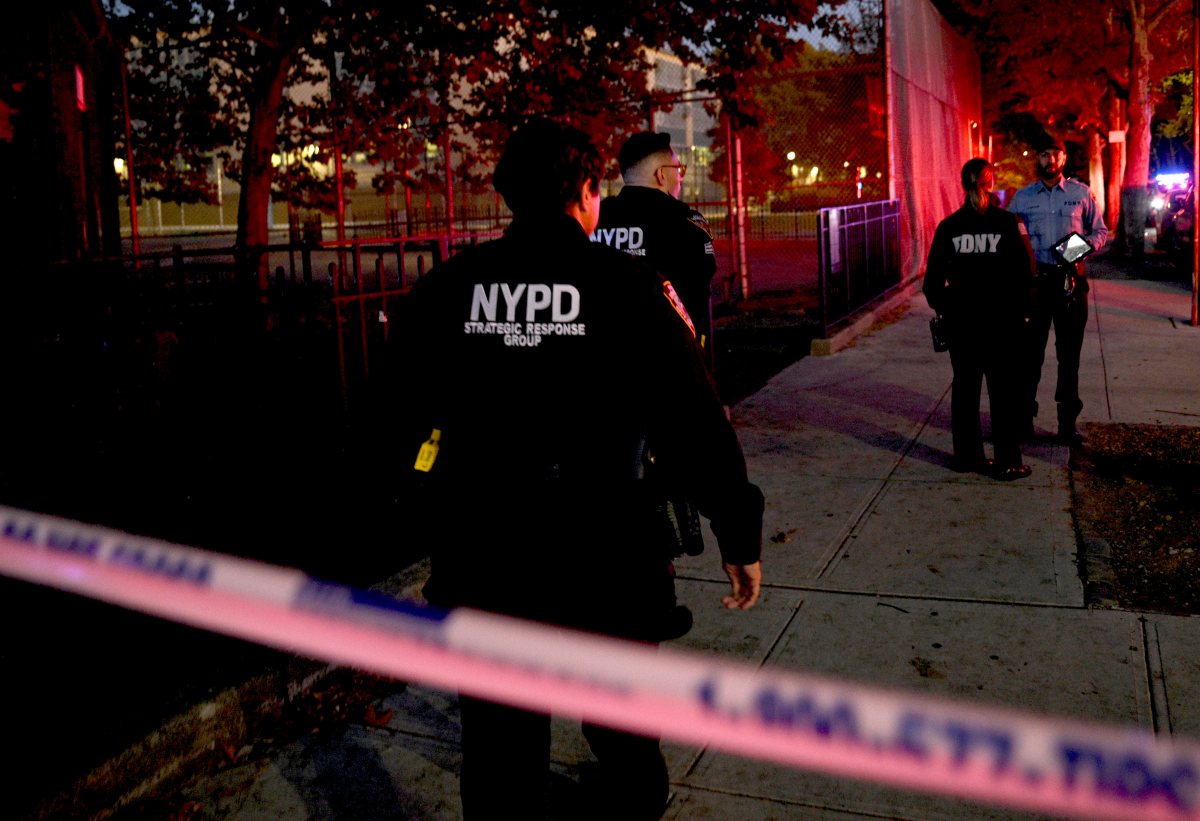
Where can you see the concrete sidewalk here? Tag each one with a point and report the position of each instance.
(882, 566)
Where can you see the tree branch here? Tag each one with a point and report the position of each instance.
(1155, 17)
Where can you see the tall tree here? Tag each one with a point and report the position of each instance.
(245, 58)
(1173, 123)
(1081, 71)
(1147, 22)
(492, 61)
(811, 112)
(175, 144)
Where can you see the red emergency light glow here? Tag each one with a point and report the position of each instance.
(80, 97)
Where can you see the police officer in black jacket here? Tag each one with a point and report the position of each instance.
(647, 220)
(529, 390)
(978, 278)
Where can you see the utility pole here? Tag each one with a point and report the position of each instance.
(338, 133)
(738, 206)
(341, 196)
(1195, 162)
(447, 148)
(133, 204)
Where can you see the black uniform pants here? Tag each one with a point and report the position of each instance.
(506, 760)
(996, 359)
(1068, 315)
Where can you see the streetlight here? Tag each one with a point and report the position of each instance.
(133, 203)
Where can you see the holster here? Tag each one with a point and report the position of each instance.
(683, 523)
(1065, 279)
(675, 517)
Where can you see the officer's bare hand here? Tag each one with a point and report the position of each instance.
(745, 582)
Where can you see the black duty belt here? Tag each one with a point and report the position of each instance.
(1062, 276)
(1051, 269)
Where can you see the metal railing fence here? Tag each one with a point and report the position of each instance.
(859, 256)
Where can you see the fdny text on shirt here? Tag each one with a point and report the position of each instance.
(524, 313)
(976, 243)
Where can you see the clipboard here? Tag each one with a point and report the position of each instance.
(1073, 247)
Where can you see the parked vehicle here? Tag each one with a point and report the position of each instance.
(1173, 211)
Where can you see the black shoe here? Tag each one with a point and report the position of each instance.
(677, 623)
(972, 465)
(1009, 474)
(1070, 437)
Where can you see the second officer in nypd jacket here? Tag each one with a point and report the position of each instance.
(647, 220)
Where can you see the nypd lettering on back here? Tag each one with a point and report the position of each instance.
(524, 313)
(629, 239)
(976, 243)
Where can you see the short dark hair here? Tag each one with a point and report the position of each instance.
(544, 165)
(640, 146)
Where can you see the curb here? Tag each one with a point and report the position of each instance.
(211, 733)
(215, 733)
(865, 321)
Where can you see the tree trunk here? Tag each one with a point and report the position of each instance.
(1135, 199)
(264, 103)
(1095, 161)
(1115, 159)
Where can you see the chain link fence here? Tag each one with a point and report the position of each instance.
(822, 143)
(815, 138)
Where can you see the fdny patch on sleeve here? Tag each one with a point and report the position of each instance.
(677, 304)
(697, 219)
